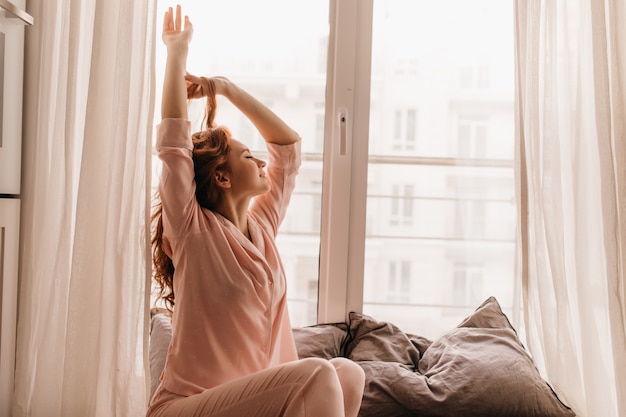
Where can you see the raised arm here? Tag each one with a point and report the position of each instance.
(272, 128)
(176, 38)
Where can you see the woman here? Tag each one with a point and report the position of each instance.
(232, 351)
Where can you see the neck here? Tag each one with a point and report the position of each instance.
(236, 212)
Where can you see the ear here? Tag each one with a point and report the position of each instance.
(222, 179)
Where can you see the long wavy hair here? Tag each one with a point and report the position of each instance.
(210, 151)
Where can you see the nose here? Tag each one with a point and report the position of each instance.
(261, 163)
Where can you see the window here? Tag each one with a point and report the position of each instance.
(282, 62)
(472, 137)
(401, 205)
(406, 66)
(467, 285)
(405, 128)
(319, 128)
(399, 282)
(470, 219)
(474, 76)
(405, 107)
(454, 219)
(302, 281)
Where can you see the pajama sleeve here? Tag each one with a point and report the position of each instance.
(284, 162)
(177, 185)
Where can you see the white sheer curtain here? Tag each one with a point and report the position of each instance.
(87, 125)
(571, 62)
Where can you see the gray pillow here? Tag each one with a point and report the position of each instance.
(320, 341)
(478, 369)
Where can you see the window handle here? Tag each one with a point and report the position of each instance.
(342, 119)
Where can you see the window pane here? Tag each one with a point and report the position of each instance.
(451, 228)
(282, 62)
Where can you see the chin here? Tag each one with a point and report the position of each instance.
(264, 190)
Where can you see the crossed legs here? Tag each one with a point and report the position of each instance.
(305, 388)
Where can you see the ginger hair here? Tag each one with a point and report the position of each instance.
(209, 155)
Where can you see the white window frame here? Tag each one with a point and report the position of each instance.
(346, 157)
(342, 251)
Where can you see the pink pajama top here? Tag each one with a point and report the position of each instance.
(230, 317)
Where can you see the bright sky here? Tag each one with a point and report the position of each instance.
(254, 29)
(249, 28)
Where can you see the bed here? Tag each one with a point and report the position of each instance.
(478, 369)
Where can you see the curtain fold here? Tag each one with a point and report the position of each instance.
(571, 140)
(89, 99)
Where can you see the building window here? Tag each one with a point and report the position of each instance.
(407, 66)
(470, 220)
(467, 285)
(402, 201)
(319, 127)
(475, 76)
(399, 282)
(405, 129)
(472, 137)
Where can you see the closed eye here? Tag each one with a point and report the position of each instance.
(247, 153)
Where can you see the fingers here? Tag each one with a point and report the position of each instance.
(193, 79)
(167, 20)
(173, 22)
(196, 86)
(188, 24)
(178, 18)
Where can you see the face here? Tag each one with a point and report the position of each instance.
(247, 176)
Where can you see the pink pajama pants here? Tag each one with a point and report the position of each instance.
(305, 388)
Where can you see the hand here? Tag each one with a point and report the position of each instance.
(174, 35)
(198, 87)
(176, 38)
(221, 85)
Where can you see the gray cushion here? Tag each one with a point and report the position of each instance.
(478, 369)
